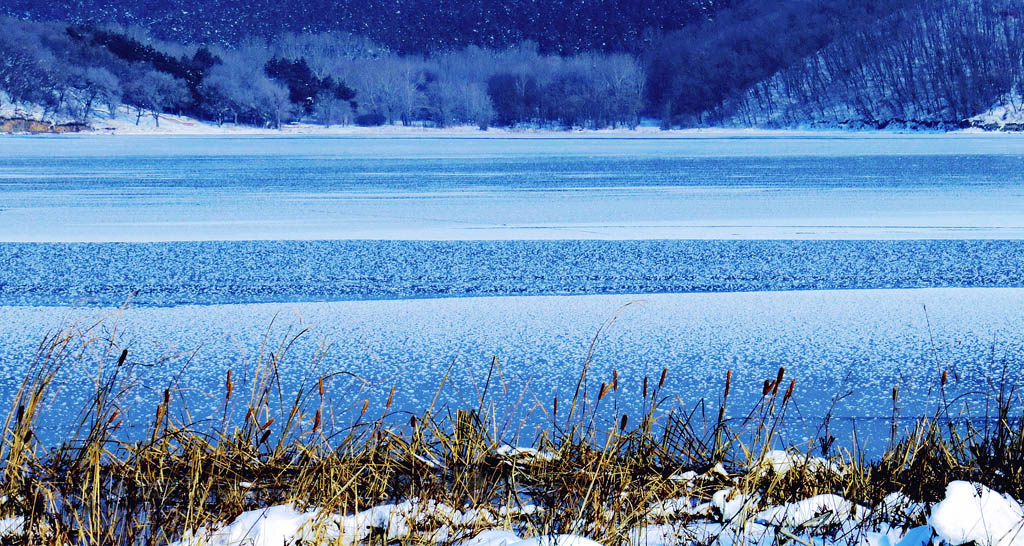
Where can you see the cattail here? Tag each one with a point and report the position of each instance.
(554, 410)
(623, 421)
(615, 380)
(228, 386)
(645, 386)
(412, 421)
(112, 417)
(366, 404)
(728, 383)
(124, 356)
(602, 392)
(320, 385)
(895, 393)
(316, 420)
(944, 372)
(766, 388)
(664, 374)
(167, 397)
(778, 380)
(117, 425)
(160, 414)
(789, 391)
(391, 397)
(268, 423)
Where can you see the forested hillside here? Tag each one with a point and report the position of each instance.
(937, 63)
(405, 26)
(776, 63)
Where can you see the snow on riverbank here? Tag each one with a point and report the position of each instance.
(969, 513)
(126, 121)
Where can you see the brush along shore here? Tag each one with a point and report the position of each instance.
(665, 477)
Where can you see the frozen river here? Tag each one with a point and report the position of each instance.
(858, 263)
(152, 188)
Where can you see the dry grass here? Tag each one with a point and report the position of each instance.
(104, 486)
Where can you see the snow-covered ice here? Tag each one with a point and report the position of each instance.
(467, 197)
(858, 343)
(97, 188)
(183, 273)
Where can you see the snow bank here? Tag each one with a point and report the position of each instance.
(970, 513)
(525, 455)
(974, 513)
(1007, 114)
(284, 524)
(816, 511)
(780, 462)
(11, 526)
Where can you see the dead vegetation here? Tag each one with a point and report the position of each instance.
(106, 485)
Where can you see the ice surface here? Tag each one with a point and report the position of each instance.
(96, 188)
(855, 342)
(273, 271)
(481, 191)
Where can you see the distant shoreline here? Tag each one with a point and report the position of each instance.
(171, 125)
(305, 131)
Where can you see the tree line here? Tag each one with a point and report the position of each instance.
(755, 63)
(327, 78)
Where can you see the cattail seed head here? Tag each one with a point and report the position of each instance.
(623, 422)
(766, 388)
(778, 380)
(895, 393)
(645, 386)
(554, 410)
(602, 392)
(789, 391)
(728, 383)
(316, 420)
(944, 373)
(615, 380)
(366, 405)
(664, 374)
(391, 396)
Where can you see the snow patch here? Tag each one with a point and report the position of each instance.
(974, 513)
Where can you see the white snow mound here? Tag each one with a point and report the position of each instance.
(974, 513)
